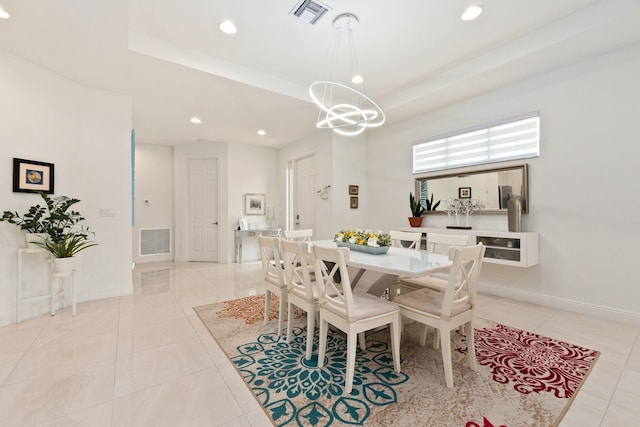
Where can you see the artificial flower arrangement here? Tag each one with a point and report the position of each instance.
(363, 238)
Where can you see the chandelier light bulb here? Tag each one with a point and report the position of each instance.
(4, 14)
(357, 79)
(195, 120)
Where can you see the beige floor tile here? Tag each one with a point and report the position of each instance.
(627, 393)
(148, 368)
(67, 351)
(586, 410)
(199, 399)
(619, 416)
(163, 332)
(95, 416)
(35, 401)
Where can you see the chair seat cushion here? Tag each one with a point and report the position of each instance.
(366, 306)
(430, 282)
(428, 301)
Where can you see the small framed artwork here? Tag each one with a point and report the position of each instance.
(464, 192)
(354, 190)
(353, 203)
(254, 204)
(30, 176)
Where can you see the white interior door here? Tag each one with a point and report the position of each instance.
(304, 209)
(203, 210)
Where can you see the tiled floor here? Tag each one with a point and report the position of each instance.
(146, 359)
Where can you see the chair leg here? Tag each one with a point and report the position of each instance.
(445, 343)
(351, 361)
(471, 346)
(423, 335)
(322, 344)
(311, 321)
(362, 340)
(395, 341)
(289, 322)
(281, 309)
(436, 338)
(267, 305)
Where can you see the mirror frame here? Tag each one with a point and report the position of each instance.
(525, 185)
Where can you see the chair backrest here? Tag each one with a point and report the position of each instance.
(333, 277)
(463, 277)
(412, 237)
(271, 262)
(303, 235)
(441, 243)
(297, 258)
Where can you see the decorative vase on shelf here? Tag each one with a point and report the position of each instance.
(415, 221)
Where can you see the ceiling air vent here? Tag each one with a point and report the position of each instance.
(309, 11)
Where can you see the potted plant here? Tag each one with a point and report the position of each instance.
(32, 222)
(67, 236)
(415, 220)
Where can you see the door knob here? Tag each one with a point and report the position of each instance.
(215, 223)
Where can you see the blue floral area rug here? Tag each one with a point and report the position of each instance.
(523, 379)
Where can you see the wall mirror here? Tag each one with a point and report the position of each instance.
(492, 187)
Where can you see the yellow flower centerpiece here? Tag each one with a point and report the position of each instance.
(369, 241)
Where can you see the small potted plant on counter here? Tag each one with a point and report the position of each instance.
(415, 220)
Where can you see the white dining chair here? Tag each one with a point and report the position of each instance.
(302, 291)
(408, 237)
(439, 244)
(351, 313)
(446, 311)
(301, 235)
(273, 277)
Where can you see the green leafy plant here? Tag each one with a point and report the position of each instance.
(363, 237)
(416, 207)
(430, 206)
(67, 246)
(33, 221)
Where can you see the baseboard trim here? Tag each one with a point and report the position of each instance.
(565, 304)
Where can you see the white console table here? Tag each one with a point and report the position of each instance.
(503, 247)
(55, 293)
(240, 234)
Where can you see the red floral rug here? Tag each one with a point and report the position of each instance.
(523, 379)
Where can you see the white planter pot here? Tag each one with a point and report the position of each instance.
(32, 238)
(64, 265)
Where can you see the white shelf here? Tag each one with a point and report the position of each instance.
(503, 247)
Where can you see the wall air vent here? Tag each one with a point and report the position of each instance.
(155, 241)
(309, 11)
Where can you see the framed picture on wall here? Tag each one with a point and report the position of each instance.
(354, 202)
(464, 192)
(353, 190)
(30, 176)
(254, 204)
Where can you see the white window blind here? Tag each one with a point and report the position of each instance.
(508, 140)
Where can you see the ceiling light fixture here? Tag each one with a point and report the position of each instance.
(471, 12)
(346, 110)
(228, 27)
(195, 120)
(261, 132)
(3, 13)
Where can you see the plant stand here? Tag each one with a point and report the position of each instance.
(55, 292)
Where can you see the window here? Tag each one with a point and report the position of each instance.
(511, 139)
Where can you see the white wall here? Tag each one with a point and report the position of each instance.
(583, 187)
(86, 133)
(252, 170)
(153, 183)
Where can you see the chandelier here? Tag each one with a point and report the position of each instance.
(343, 107)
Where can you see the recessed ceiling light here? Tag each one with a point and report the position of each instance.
(261, 132)
(195, 120)
(357, 79)
(228, 27)
(3, 13)
(471, 12)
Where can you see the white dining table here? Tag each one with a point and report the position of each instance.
(397, 262)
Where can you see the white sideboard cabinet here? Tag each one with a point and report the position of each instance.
(503, 247)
